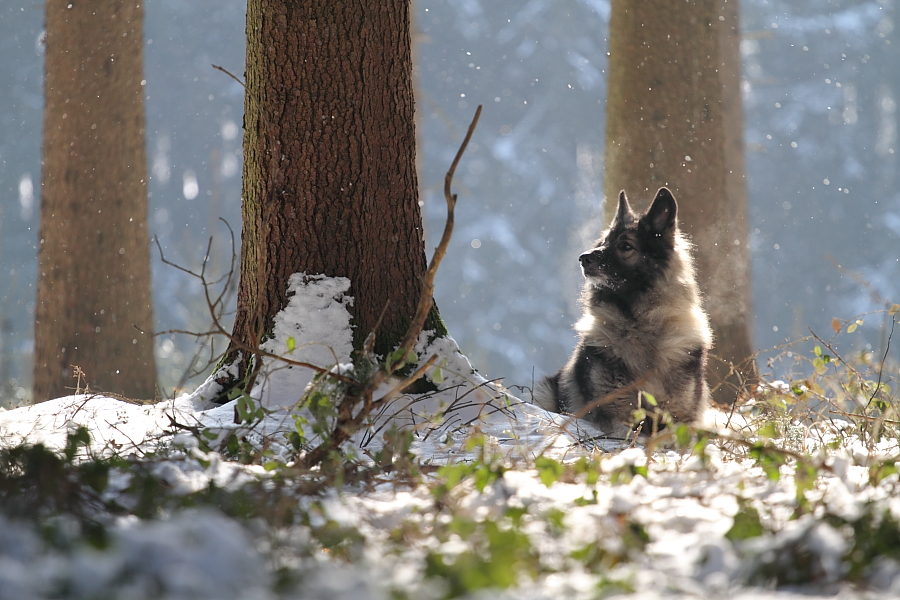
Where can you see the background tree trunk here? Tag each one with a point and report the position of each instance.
(674, 119)
(329, 162)
(94, 262)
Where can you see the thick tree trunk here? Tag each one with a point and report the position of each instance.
(94, 262)
(674, 119)
(329, 162)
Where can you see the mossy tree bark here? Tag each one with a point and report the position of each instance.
(94, 256)
(329, 163)
(674, 119)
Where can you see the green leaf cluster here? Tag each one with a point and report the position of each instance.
(499, 555)
(484, 470)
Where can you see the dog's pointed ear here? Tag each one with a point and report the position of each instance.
(660, 217)
(623, 213)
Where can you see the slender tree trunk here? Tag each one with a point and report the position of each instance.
(329, 162)
(94, 261)
(674, 119)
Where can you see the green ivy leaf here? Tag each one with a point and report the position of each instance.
(75, 439)
(548, 470)
(586, 501)
(746, 525)
(804, 480)
(396, 360)
(880, 471)
(682, 435)
(638, 415)
(589, 468)
(770, 459)
(769, 430)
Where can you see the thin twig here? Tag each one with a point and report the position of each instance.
(426, 299)
(863, 417)
(220, 330)
(631, 387)
(887, 349)
(406, 382)
(227, 72)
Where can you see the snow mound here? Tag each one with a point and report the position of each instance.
(313, 328)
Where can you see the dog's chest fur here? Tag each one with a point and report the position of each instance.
(655, 336)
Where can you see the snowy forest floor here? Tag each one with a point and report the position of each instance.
(463, 492)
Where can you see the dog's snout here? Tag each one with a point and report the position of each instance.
(590, 258)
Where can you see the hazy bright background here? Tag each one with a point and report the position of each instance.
(820, 92)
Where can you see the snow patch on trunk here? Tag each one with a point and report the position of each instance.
(313, 328)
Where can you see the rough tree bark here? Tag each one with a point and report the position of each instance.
(329, 163)
(94, 255)
(674, 119)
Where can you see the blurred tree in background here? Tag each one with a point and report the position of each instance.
(673, 118)
(93, 308)
(820, 90)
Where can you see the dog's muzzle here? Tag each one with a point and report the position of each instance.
(595, 270)
(591, 263)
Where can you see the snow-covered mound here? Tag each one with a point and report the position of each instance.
(313, 328)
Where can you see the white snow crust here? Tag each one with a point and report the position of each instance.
(317, 320)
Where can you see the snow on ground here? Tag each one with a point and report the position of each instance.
(652, 525)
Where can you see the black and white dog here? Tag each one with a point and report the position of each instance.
(644, 330)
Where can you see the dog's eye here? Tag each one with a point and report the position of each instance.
(625, 247)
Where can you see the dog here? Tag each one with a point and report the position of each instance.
(644, 337)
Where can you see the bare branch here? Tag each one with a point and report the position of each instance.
(426, 299)
(406, 383)
(227, 72)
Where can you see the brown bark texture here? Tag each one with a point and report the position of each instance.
(674, 119)
(329, 162)
(94, 253)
